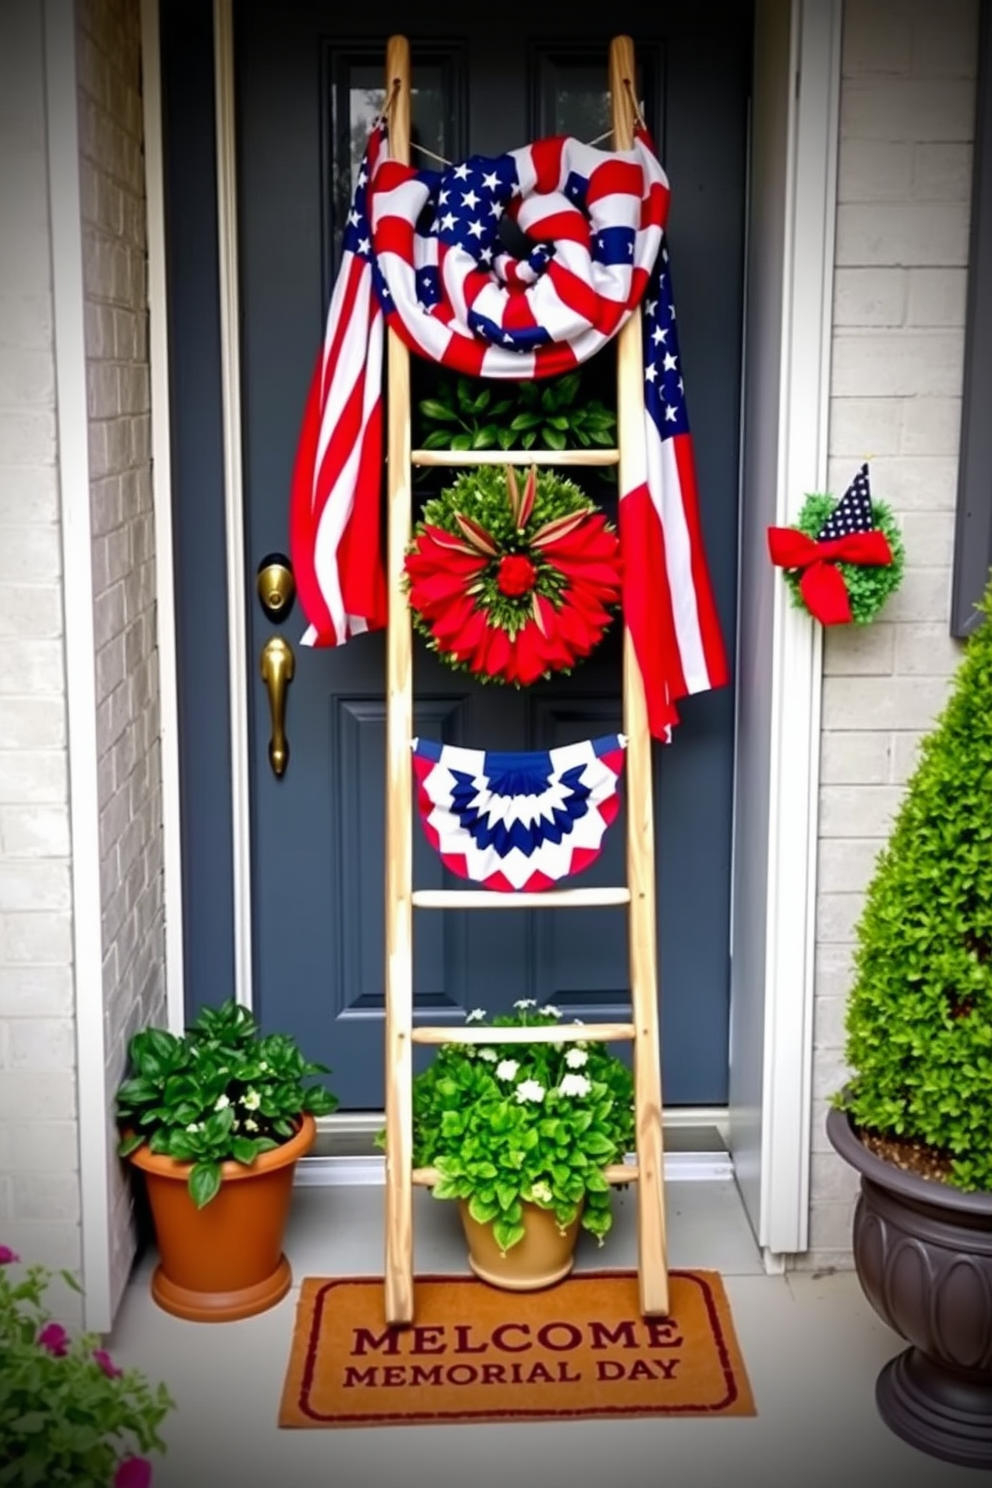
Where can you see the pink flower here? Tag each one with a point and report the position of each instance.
(7, 1255)
(107, 1364)
(133, 1472)
(55, 1339)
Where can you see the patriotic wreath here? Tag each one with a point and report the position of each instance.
(508, 585)
(842, 559)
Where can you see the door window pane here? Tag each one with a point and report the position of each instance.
(573, 95)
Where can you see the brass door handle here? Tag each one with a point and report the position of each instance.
(277, 673)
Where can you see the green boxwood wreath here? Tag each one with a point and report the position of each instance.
(868, 586)
(511, 577)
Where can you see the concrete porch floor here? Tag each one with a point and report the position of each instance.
(811, 1344)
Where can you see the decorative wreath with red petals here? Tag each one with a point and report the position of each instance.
(508, 585)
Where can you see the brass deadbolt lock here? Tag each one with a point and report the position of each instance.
(276, 586)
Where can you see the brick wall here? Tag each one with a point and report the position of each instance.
(39, 1162)
(39, 1142)
(129, 766)
(906, 131)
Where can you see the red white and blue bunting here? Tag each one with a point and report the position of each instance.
(518, 821)
(422, 252)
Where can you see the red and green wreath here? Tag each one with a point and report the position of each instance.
(508, 585)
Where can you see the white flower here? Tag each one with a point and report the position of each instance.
(574, 1085)
(551, 1010)
(222, 1102)
(251, 1100)
(194, 1126)
(477, 1015)
(507, 1069)
(251, 1125)
(576, 1058)
(541, 1192)
(489, 1055)
(525, 1002)
(530, 1090)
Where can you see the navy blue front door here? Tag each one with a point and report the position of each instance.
(307, 79)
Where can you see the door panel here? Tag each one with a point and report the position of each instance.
(305, 75)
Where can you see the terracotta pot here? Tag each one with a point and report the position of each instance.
(923, 1255)
(545, 1255)
(223, 1261)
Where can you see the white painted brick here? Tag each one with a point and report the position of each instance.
(829, 1031)
(897, 364)
(905, 755)
(846, 864)
(832, 1180)
(29, 937)
(30, 610)
(927, 651)
(870, 297)
(41, 1043)
(43, 1197)
(27, 376)
(943, 172)
(863, 811)
(26, 322)
(833, 969)
(819, 1141)
(868, 650)
(29, 554)
(877, 38)
(54, 1245)
(865, 427)
(33, 1095)
(924, 594)
(945, 40)
(874, 170)
(901, 233)
(34, 886)
(836, 916)
(37, 777)
(932, 427)
(36, 991)
(831, 1075)
(30, 667)
(34, 831)
(27, 436)
(928, 538)
(29, 495)
(937, 297)
(7, 1205)
(32, 723)
(903, 110)
(896, 703)
(854, 758)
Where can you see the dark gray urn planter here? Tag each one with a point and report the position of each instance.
(923, 1255)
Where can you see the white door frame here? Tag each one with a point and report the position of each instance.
(770, 1102)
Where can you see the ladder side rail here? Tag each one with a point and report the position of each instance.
(652, 1261)
(399, 776)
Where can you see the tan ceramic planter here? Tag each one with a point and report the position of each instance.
(223, 1261)
(544, 1256)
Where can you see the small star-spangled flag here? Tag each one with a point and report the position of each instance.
(853, 512)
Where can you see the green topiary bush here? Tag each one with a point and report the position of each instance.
(919, 1019)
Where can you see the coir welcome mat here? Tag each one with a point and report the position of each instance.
(477, 1353)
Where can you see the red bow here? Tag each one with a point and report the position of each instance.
(822, 583)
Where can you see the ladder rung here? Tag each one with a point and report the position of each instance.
(615, 1173)
(544, 899)
(554, 1033)
(515, 457)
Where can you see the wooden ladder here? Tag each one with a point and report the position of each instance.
(402, 898)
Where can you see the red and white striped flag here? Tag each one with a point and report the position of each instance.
(425, 246)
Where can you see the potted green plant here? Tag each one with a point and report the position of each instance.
(520, 1135)
(915, 1118)
(68, 1413)
(216, 1119)
(467, 413)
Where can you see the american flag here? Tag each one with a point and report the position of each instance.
(423, 249)
(853, 512)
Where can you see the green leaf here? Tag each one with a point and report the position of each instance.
(130, 1144)
(526, 421)
(481, 1211)
(440, 412)
(437, 439)
(553, 438)
(204, 1183)
(244, 1150)
(528, 439)
(461, 442)
(484, 438)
